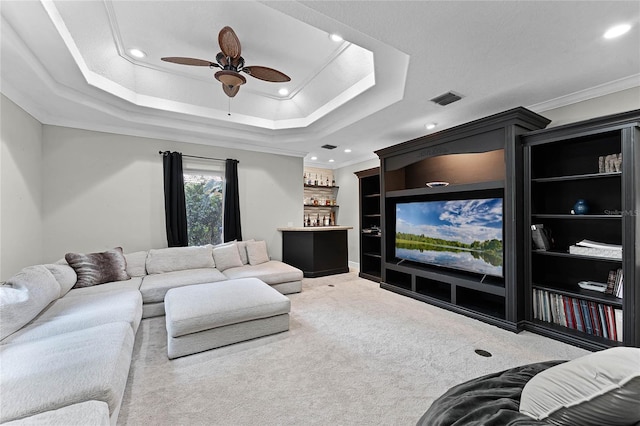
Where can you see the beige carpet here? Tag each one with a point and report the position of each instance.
(355, 355)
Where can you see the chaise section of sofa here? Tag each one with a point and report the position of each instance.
(66, 369)
(282, 277)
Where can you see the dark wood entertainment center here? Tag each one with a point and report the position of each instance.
(539, 173)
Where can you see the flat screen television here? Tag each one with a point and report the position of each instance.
(461, 234)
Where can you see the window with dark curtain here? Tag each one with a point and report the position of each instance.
(231, 226)
(174, 200)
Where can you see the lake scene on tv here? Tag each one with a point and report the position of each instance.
(459, 234)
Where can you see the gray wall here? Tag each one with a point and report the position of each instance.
(104, 190)
(20, 189)
(625, 100)
(64, 189)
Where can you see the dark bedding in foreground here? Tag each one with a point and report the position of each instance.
(490, 400)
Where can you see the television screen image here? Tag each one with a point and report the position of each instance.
(460, 234)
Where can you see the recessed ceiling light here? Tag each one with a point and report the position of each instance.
(314, 158)
(335, 37)
(332, 160)
(430, 126)
(283, 91)
(137, 53)
(347, 150)
(617, 31)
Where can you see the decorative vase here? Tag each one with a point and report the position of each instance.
(580, 207)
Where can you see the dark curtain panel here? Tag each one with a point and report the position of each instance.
(175, 209)
(231, 226)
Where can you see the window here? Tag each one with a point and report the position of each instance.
(204, 197)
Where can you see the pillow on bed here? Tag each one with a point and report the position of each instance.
(98, 268)
(596, 389)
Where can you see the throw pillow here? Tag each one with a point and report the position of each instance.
(136, 263)
(226, 256)
(24, 296)
(596, 389)
(257, 252)
(98, 268)
(179, 259)
(242, 248)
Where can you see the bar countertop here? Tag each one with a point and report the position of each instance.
(315, 228)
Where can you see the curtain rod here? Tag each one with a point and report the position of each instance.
(196, 156)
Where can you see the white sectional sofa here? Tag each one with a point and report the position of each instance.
(66, 345)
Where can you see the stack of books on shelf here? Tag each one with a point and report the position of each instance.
(593, 248)
(592, 318)
(615, 283)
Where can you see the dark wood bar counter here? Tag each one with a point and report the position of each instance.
(317, 251)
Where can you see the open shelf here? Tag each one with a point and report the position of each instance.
(369, 209)
(565, 164)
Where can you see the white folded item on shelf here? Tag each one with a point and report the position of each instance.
(597, 252)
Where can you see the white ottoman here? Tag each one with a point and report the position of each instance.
(206, 316)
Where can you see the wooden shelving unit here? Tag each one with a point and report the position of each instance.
(562, 166)
(481, 159)
(370, 216)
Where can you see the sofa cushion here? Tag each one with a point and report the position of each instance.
(155, 286)
(94, 413)
(137, 263)
(98, 268)
(227, 256)
(64, 274)
(24, 296)
(179, 259)
(596, 389)
(51, 373)
(257, 252)
(242, 249)
(112, 287)
(271, 272)
(69, 314)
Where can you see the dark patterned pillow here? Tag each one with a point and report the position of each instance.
(98, 268)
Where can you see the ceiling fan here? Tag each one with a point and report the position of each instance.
(231, 64)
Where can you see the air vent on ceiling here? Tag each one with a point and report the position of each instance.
(327, 146)
(446, 98)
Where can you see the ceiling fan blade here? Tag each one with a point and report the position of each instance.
(266, 74)
(231, 91)
(229, 43)
(188, 61)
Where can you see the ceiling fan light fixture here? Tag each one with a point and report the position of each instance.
(230, 78)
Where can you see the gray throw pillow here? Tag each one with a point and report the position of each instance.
(98, 268)
(257, 252)
(226, 256)
(242, 249)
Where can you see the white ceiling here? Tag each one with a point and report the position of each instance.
(67, 63)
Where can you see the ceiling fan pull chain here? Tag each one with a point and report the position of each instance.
(229, 113)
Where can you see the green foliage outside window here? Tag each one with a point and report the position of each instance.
(203, 196)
